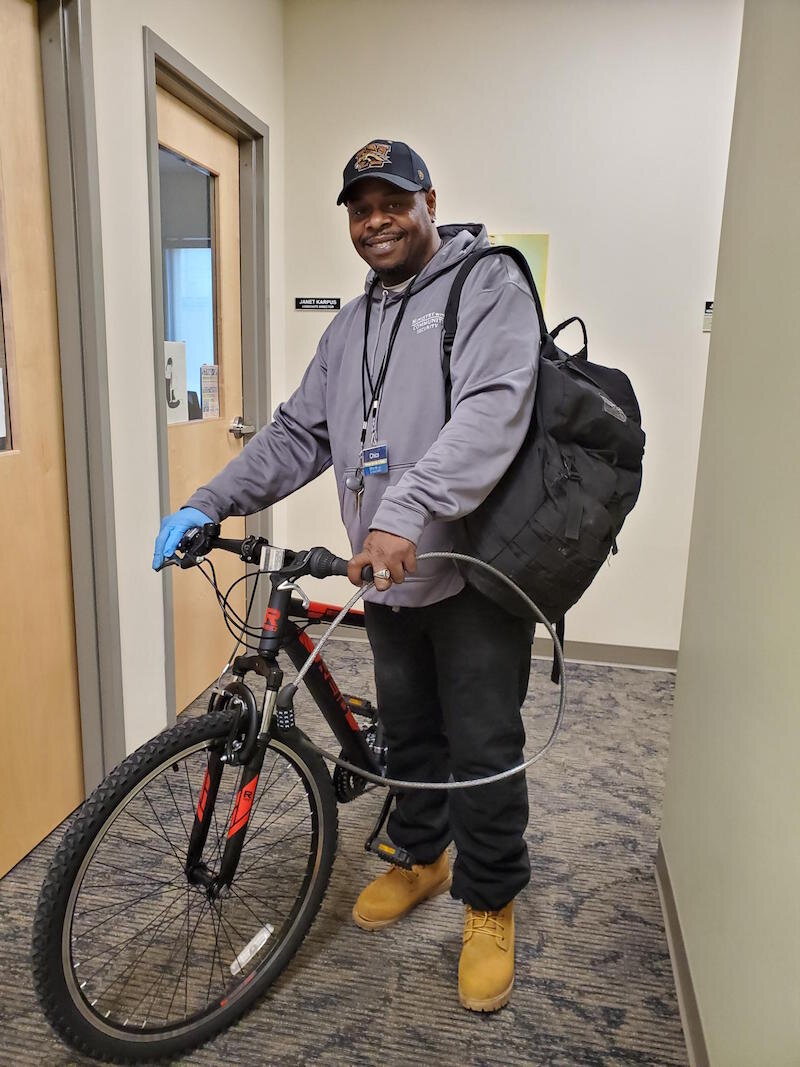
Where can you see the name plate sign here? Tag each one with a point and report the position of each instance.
(317, 303)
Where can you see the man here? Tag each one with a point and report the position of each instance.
(451, 667)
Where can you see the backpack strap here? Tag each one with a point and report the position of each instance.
(555, 674)
(451, 309)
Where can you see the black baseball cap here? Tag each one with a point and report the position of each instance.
(391, 161)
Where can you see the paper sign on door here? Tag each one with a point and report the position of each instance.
(209, 388)
(175, 381)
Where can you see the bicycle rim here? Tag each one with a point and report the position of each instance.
(160, 959)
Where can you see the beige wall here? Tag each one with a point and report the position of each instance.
(605, 125)
(731, 828)
(239, 45)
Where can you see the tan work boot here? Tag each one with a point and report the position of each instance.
(486, 967)
(398, 891)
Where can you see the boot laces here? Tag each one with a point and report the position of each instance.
(484, 922)
(409, 875)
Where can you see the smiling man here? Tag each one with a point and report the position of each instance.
(451, 667)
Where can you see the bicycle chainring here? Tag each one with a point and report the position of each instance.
(348, 785)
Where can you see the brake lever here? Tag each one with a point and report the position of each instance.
(184, 562)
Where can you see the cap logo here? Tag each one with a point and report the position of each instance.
(421, 175)
(375, 154)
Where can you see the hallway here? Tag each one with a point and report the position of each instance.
(594, 983)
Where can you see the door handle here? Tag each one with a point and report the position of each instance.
(239, 428)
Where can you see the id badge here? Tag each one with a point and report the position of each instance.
(375, 459)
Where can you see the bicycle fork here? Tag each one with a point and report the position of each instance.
(197, 870)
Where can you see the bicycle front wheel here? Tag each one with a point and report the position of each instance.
(132, 961)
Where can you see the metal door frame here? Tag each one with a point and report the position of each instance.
(68, 83)
(165, 67)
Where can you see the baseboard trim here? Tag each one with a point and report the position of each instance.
(658, 659)
(654, 659)
(687, 1001)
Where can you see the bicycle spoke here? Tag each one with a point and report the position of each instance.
(225, 932)
(160, 919)
(240, 897)
(270, 907)
(242, 938)
(157, 982)
(304, 853)
(213, 957)
(122, 903)
(269, 820)
(186, 962)
(108, 918)
(150, 829)
(130, 966)
(256, 862)
(266, 826)
(178, 857)
(131, 871)
(180, 813)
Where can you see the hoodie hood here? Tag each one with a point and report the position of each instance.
(459, 239)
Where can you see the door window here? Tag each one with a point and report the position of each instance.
(191, 372)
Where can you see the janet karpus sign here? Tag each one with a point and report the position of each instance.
(317, 303)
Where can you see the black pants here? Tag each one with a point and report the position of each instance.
(450, 679)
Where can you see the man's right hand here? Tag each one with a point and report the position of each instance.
(173, 527)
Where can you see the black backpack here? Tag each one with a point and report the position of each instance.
(553, 518)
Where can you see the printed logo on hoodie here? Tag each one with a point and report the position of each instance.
(431, 321)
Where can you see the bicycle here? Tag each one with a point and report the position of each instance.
(187, 881)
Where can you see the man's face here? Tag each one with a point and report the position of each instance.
(393, 230)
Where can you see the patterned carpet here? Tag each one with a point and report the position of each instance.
(594, 985)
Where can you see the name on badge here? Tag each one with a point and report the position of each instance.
(375, 459)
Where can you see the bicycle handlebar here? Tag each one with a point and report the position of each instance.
(316, 562)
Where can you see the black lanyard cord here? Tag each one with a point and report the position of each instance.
(377, 386)
(416, 287)
(365, 355)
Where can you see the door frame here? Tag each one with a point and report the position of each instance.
(165, 67)
(68, 83)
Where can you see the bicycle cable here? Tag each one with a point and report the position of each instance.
(470, 783)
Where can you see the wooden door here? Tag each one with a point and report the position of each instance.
(42, 775)
(199, 174)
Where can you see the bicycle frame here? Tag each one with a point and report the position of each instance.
(279, 632)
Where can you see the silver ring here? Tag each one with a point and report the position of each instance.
(386, 575)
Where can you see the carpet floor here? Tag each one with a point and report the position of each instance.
(594, 983)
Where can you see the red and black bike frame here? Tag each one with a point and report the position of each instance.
(251, 732)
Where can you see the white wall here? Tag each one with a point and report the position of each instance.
(731, 824)
(605, 125)
(239, 45)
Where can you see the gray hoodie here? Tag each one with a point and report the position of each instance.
(437, 472)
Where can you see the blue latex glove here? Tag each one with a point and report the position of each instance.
(173, 527)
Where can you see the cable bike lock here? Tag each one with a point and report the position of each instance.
(287, 693)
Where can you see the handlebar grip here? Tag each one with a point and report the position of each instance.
(339, 566)
(323, 564)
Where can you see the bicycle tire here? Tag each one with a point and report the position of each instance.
(66, 1007)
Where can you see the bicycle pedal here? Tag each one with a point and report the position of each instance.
(397, 857)
(359, 706)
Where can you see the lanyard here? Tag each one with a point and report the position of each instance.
(372, 407)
